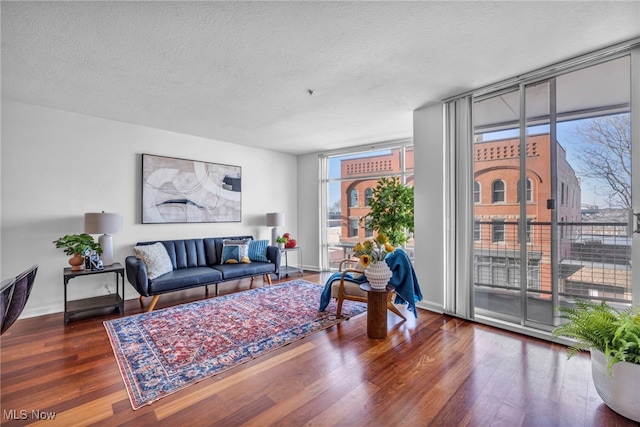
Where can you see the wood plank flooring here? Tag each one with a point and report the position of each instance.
(432, 371)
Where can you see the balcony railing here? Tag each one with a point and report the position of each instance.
(593, 259)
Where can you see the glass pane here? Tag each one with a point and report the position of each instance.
(496, 172)
(352, 179)
(595, 254)
(408, 164)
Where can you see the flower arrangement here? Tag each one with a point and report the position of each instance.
(373, 250)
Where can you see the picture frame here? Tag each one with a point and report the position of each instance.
(176, 190)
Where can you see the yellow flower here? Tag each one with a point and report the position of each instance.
(382, 238)
(365, 260)
(389, 247)
(357, 247)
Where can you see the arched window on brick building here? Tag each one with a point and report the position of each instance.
(368, 195)
(498, 191)
(353, 198)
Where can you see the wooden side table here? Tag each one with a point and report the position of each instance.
(89, 304)
(377, 310)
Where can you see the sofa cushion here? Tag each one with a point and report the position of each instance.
(187, 253)
(185, 278)
(258, 250)
(156, 259)
(234, 271)
(235, 251)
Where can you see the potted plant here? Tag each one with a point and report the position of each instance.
(76, 245)
(391, 210)
(613, 338)
(281, 241)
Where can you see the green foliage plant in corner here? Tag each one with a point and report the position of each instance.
(602, 327)
(77, 244)
(391, 210)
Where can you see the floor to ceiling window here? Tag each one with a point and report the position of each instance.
(348, 182)
(564, 141)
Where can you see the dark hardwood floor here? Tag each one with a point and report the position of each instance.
(432, 371)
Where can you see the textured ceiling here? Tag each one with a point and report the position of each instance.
(241, 71)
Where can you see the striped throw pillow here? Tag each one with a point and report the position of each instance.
(258, 250)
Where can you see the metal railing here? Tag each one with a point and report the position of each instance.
(594, 259)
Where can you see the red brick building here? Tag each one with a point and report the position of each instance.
(497, 209)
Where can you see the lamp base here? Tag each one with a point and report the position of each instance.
(274, 236)
(106, 243)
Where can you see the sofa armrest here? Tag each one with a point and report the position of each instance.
(273, 255)
(137, 275)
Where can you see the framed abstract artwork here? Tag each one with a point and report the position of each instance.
(180, 190)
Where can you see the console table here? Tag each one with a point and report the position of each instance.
(89, 304)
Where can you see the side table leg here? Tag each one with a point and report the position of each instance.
(377, 314)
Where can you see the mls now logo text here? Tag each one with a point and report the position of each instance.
(23, 414)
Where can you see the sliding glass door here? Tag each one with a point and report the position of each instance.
(552, 181)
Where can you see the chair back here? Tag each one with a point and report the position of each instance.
(14, 294)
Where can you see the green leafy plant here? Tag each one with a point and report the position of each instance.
(602, 327)
(77, 244)
(391, 210)
(282, 239)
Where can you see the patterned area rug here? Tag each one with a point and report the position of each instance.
(164, 351)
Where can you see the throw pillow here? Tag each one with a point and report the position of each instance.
(235, 251)
(258, 250)
(156, 258)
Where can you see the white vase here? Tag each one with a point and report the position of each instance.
(378, 274)
(620, 390)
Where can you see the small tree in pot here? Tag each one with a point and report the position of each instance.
(391, 210)
(613, 337)
(76, 245)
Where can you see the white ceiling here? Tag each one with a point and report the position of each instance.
(240, 71)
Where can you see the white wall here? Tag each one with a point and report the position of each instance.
(309, 210)
(58, 165)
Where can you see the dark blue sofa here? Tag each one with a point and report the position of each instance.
(196, 262)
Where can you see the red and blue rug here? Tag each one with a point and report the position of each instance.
(164, 351)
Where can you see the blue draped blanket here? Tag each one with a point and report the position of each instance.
(404, 280)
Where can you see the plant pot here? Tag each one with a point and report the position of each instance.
(280, 245)
(76, 262)
(620, 390)
(378, 274)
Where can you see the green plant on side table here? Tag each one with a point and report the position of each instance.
(391, 210)
(613, 337)
(76, 245)
(281, 241)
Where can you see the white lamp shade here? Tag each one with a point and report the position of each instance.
(102, 223)
(275, 219)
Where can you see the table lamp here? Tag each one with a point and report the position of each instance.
(103, 223)
(275, 220)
